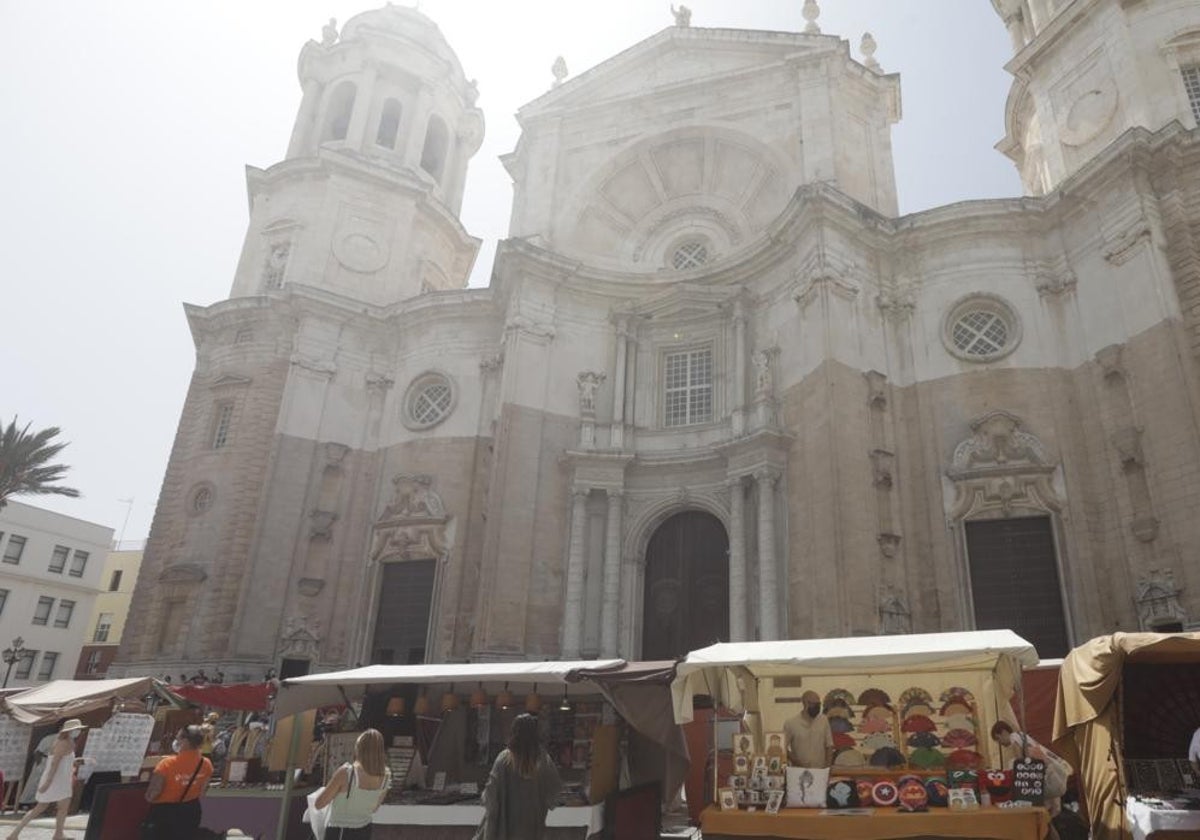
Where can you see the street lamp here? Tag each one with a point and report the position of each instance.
(13, 655)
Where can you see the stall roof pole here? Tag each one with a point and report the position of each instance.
(342, 691)
(289, 778)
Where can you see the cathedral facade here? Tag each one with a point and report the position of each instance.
(717, 388)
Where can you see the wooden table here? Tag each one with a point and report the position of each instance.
(881, 824)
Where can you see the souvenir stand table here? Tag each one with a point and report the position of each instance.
(477, 701)
(1127, 706)
(897, 705)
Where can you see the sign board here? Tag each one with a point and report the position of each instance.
(339, 750)
(14, 746)
(120, 745)
(1029, 780)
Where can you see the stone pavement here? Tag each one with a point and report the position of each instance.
(43, 828)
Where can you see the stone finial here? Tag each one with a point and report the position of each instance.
(683, 15)
(811, 12)
(868, 47)
(329, 33)
(559, 69)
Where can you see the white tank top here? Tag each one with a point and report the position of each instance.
(354, 809)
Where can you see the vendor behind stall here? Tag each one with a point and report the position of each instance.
(810, 740)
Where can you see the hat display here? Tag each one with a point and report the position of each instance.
(923, 739)
(918, 723)
(874, 697)
(887, 757)
(925, 757)
(959, 738)
(72, 725)
(848, 757)
(840, 724)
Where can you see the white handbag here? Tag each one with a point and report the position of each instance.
(316, 817)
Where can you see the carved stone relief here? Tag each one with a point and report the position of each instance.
(413, 524)
(894, 615)
(1157, 600)
(1001, 467)
(301, 638)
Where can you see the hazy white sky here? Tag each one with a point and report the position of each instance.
(128, 123)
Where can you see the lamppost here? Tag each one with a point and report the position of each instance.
(13, 655)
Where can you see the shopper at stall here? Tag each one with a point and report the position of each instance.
(523, 786)
(176, 787)
(1058, 771)
(810, 740)
(57, 782)
(356, 790)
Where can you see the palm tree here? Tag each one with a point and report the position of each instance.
(25, 467)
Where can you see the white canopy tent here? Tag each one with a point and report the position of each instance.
(60, 699)
(302, 693)
(744, 675)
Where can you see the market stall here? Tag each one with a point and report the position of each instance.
(1127, 706)
(445, 724)
(909, 717)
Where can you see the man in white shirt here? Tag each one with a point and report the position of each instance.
(810, 740)
(1194, 751)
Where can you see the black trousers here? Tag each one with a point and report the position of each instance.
(175, 820)
(363, 833)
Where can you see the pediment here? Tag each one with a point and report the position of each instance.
(679, 55)
(683, 302)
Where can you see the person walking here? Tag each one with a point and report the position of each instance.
(176, 786)
(57, 782)
(523, 786)
(356, 790)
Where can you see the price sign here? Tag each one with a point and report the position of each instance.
(120, 745)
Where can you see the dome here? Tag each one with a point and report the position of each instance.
(401, 23)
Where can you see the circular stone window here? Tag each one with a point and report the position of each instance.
(981, 328)
(690, 254)
(429, 401)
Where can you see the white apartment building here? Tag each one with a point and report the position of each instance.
(50, 575)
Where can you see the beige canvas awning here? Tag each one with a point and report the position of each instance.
(61, 699)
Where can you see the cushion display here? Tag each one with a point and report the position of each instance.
(913, 796)
(938, 791)
(865, 786)
(884, 793)
(964, 779)
(841, 793)
(807, 787)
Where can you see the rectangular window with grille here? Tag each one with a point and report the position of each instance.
(3, 600)
(78, 563)
(25, 664)
(221, 423)
(688, 387)
(58, 560)
(1015, 583)
(41, 613)
(66, 609)
(103, 626)
(49, 660)
(1191, 83)
(14, 549)
(93, 662)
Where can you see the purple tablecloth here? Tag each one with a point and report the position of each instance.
(255, 813)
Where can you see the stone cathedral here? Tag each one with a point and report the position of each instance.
(717, 388)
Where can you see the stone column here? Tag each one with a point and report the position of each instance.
(609, 608)
(739, 368)
(305, 121)
(768, 580)
(618, 413)
(572, 634)
(364, 104)
(737, 561)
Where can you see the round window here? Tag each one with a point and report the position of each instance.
(690, 254)
(202, 499)
(429, 401)
(981, 329)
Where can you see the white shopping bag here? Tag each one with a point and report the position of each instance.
(318, 818)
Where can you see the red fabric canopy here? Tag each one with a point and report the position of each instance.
(244, 697)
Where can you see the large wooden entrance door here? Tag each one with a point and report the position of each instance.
(1014, 581)
(686, 593)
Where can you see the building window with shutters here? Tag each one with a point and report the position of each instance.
(78, 563)
(41, 613)
(688, 387)
(222, 420)
(14, 549)
(66, 609)
(1015, 583)
(58, 560)
(103, 627)
(25, 665)
(49, 660)
(1191, 83)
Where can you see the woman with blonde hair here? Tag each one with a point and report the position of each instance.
(356, 790)
(523, 786)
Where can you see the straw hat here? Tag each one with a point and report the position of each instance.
(71, 725)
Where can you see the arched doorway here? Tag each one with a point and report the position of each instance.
(686, 592)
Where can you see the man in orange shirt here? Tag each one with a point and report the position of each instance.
(176, 786)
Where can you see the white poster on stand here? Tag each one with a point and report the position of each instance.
(14, 747)
(120, 745)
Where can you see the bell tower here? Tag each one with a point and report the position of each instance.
(1087, 71)
(366, 202)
